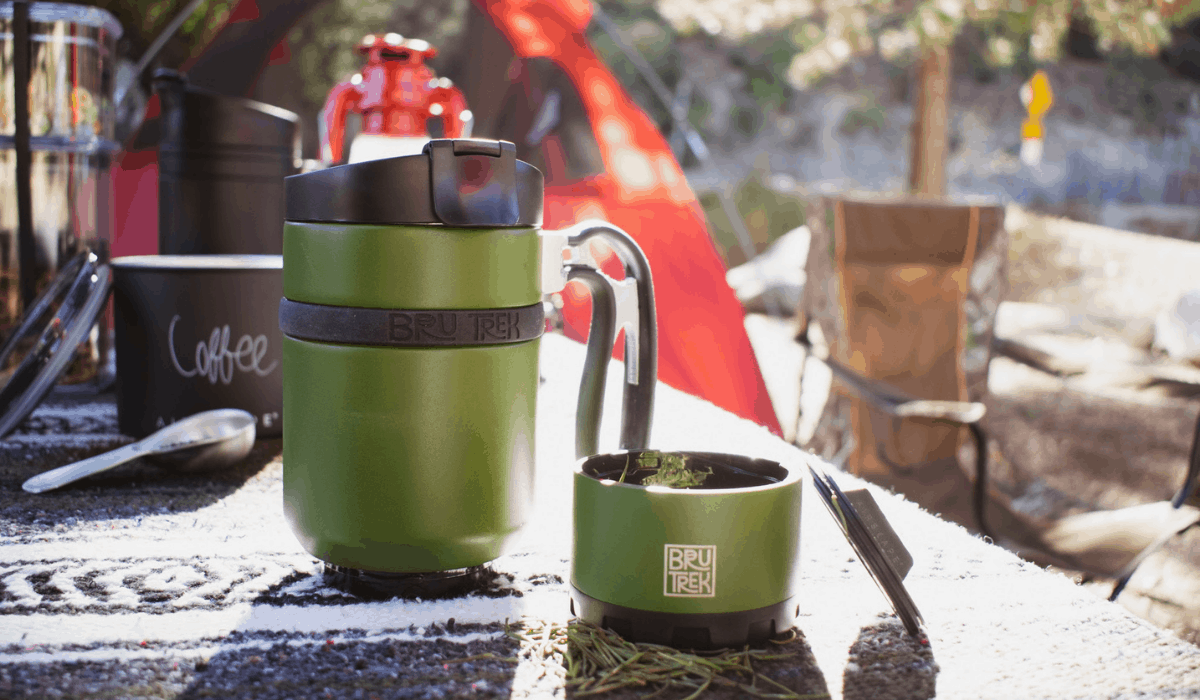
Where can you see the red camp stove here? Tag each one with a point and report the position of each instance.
(402, 102)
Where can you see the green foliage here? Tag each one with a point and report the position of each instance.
(764, 63)
(672, 471)
(642, 28)
(869, 115)
(143, 20)
(699, 111)
(669, 470)
(1142, 89)
(747, 119)
(323, 42)
(826, 34)
(767, 213)
(779, 48)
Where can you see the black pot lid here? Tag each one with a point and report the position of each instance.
(875, 542)
(53, 327)
(455, 182)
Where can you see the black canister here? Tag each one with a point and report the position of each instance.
(195, 333)
(221, 165)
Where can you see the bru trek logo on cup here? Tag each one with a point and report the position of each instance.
(690, 570)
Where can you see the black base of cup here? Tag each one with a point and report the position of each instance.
(693, 631)
(429, 585)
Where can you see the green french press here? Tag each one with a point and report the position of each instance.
(412, 315)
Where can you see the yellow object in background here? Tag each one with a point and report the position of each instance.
(1038, 97)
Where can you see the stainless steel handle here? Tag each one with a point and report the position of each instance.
(625, 297)
(92, 465)
(632, 300)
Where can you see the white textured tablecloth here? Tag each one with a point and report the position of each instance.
(224, 574)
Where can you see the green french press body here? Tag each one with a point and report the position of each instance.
(412, 315)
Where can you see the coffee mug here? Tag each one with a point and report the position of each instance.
(700, 565)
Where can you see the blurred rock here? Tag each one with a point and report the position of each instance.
(1103, 542)
(773, 281)
(1170, 220)
(1177, 327)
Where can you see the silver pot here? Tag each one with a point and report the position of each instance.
(71, 118)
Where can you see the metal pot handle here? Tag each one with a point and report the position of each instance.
(627, 304)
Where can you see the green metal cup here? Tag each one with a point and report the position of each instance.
(412, 316)
(703, 567)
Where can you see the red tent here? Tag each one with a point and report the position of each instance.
(703, 348)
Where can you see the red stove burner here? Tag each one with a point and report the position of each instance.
(398, 96)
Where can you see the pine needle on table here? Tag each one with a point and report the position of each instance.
(598, 661)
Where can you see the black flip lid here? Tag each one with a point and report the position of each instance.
(456, 182)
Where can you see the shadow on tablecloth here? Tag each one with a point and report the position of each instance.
(297, 666)
(887, 664)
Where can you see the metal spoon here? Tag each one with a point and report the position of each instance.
(211, 438)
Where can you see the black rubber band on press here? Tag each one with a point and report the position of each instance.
(420, 328)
